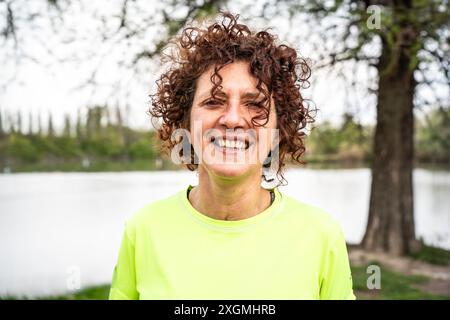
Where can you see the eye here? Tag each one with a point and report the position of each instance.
(254, 104)
(213, 102)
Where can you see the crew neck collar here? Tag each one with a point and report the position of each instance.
(231, 225)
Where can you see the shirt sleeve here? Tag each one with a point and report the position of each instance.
(123, 286)
(336, 280)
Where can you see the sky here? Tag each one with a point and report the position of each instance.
(46, 86)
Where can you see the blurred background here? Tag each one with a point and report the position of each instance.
(78, 153)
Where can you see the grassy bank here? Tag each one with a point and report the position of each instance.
(433, 255)
(101, 165)
(393, 286)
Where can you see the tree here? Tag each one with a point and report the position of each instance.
(30, 123)
(67, 127)
(128, 23)
(19, 122)
(10, 120)
(50, 128)
(93, 122)
(400, 40)
(2, 131)
(39, 122)
(119, 120)
(79, 126)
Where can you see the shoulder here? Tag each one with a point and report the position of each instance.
(304, 215)
(154, 213)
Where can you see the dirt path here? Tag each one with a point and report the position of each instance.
(439, 282)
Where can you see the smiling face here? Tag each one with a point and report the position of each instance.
(221, 128)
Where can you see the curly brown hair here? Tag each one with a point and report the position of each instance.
(280, 73)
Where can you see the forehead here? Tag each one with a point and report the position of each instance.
(236, 78)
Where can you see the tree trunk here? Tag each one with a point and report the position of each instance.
(390, 226)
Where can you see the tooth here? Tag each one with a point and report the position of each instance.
(232, 144)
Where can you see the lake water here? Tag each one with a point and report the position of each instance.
(57, 227)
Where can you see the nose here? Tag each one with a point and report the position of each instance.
(233, 116)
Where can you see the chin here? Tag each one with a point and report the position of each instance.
(230, 171)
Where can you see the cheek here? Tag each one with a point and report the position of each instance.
(199, 126)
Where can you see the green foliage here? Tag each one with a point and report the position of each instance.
(111, 142)
(142, 149)
(325, 139)
(433, 255)
(351, 141)
(432, 136)
(23, 148)
(95, 137)
(90, 293)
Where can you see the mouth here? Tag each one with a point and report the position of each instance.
(231, 144)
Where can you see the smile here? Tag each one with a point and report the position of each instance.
(236, 144)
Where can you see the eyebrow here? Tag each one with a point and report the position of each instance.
(245, 95)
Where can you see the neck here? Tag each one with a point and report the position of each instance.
(225, 200)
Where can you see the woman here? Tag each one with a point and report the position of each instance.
(232, 95)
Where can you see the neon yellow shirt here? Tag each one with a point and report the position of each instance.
(291, 250)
